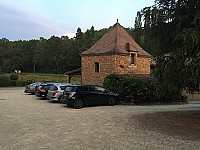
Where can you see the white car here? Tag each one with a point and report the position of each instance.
(55, 93)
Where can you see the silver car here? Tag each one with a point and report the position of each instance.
(31, 87)
(55, 93)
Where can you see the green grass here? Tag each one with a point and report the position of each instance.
(38, 77)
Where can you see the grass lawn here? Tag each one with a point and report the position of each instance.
(37, 77)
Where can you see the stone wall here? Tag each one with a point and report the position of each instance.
(106, 66)
(119, 64)
(123, 65)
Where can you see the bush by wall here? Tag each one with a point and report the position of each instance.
(134, 89)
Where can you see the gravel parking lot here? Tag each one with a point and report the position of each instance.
(30, 123)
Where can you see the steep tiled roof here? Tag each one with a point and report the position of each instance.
(114, 42)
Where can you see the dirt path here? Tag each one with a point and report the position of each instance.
(27, 122)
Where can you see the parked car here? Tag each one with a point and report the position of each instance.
(81, 95)
(31, 87)
(55, 92)
(42, 90)
(44, 82)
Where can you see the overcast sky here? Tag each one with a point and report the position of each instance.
(32, 19)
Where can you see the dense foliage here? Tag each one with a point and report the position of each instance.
(4, 81)
(53, 55)
(132, 89)
(14, 77)
(12, 80)
(22, 79)
(170, 29)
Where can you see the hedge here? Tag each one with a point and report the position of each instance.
(134, 89)
(12, 80)
(5, 81)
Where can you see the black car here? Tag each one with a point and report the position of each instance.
(42, 90)
(44, 82)
(81, 95)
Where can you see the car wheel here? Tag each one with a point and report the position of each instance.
(78, 103)
(111, 101)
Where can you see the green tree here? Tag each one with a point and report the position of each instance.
(53, 55)
(172, 33)
(40, 60)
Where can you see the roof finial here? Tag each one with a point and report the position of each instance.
(117, 20)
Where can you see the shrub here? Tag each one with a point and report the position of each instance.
(110, 83)
(29, 81)
(130, 88)
(4, 81)
(14, 77)
(24, 82)
(21, 83)
(13, 83)
(166, 94)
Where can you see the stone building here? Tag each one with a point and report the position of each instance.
(115, 52)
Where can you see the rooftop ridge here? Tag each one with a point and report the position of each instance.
(114, 42)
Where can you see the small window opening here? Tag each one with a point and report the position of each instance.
(132, 58)
(96, 67)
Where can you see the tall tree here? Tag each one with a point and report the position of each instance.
(79, 38)
(52, 52)
(40, 56)
(173, 31)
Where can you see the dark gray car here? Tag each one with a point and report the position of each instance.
(31, 87)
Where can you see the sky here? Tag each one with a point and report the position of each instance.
(32, 19)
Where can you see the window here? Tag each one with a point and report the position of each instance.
(70, 89)
(55, 88)
(63, 87)
(132, 58)
(99, 89)
(51, 89)
(86, 88)
(96, 67)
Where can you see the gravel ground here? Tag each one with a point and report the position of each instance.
(30, 123)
